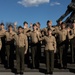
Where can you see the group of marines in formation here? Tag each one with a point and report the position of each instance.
(55, 39)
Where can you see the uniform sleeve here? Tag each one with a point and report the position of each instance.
(29, 30)
(15, 29)
(57, 31)
(53, 29)
(0, 44)
(26, 43)
(44, 31)
(28, 34)
(43, 38)
(15, 37)
(12, 36)
(2, 34)
(70, 36)
(54, 43)
(71, 31)
(66, 33)
(40, 34)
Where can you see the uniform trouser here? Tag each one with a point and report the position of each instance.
(3, 50)
(35, 55)
(65, 14)
(10, 55)
(3, 54)
(27, 60)
(20, 59)
(72, 50)
(49, 60)
(63, 55)
(73, 54)
(0, 56)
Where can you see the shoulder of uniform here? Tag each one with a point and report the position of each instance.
(14, 32)
(23, 34)
(45, 36)
(55, 26)
(65, 29)
(28, 30)
(44, 29)
(53, 37)
(6, 31)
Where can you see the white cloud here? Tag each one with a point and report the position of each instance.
(28, 3)
(54, 3)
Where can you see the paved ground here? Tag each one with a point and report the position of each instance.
(37, 73)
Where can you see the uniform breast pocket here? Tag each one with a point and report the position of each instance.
(50, 41)
(64, 34)
(21, 39)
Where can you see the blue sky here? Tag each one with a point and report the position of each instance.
(32, 11)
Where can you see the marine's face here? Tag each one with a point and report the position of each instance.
(2, 26)
(25, 25)
(63, 26)
(38, 25)
(74, 25)
(49, 24)
(49, 32)
(60, 22)
(10, 28)
(34, 27)
(20, 30)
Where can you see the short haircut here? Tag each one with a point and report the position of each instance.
(25, 22)
(34, 24)
(2, 24)
(63, 23)
(49, 29)
(20, 27)
(10, 26)
(38, 23)
(48, 21)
